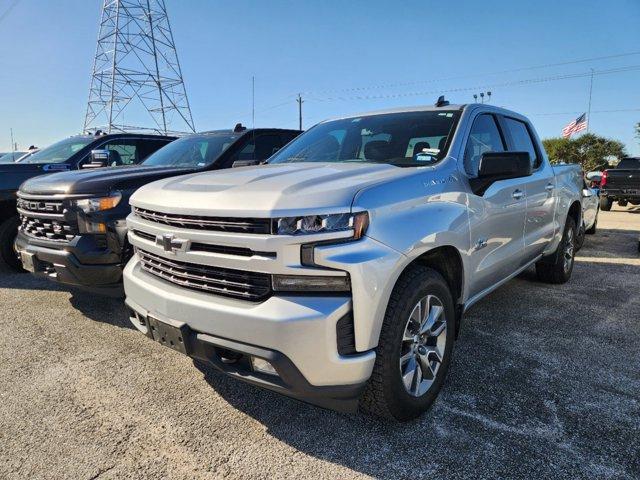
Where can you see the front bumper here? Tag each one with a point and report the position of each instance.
(63, 264)
(296, 334)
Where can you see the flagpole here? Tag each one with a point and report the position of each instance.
(589, 109)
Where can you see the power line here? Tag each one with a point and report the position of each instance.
(527, 81)
(592, 112)
(460, 77)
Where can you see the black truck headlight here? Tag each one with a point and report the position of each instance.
(358, 222)
(310, 283)
(88, 205)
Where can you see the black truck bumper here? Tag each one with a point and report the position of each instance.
(62, 264)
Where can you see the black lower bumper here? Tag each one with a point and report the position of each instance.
(234, 359)
(63, 266)
(630, 195)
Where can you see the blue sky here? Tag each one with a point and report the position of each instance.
(327, 49)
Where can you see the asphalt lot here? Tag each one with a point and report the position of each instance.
(545, 384)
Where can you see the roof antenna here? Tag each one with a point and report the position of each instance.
(441, 102)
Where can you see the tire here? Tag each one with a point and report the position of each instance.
(387, 395)
(622, 203)
(8, 234)
(554, 268)
(580, 237)
(592, 229)
(605, 203)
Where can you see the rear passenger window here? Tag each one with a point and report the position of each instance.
(522, 139)
(484, 137)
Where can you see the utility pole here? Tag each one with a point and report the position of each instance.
(253, 102)
(300, 102)
(13, 145)
(589, 109)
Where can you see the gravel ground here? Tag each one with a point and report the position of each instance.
(545, 383)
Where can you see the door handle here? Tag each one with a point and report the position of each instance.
(549, 187)
(518, 194)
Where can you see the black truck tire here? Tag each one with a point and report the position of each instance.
(557, 267)
(605, 203)
(387, 394)
(8, 234)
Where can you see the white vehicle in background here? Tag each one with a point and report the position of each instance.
(339, 272)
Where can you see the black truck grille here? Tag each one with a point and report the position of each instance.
(196, 222)
(251, 286)
(56, 230)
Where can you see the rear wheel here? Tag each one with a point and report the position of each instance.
(415, 347)
(605, 203)
(557, 268)
(8, 253)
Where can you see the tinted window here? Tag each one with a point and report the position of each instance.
(381, 138)
(522, 139)
(484, 137)
(193, 151)
(148, 146)
(629, 163)
(59, 152)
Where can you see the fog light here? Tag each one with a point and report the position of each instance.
(261, 365)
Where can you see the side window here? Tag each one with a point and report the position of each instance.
(267, 145)
(123, 152)
(148, 146)
(484, 137)
(522, 141)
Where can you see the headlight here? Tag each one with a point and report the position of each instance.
(358, 222)
(88, 205)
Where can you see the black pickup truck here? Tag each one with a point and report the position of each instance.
(72, 224)
(621, 184)
(72, 153)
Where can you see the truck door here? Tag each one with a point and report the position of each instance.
(540, 186)
(496, 217)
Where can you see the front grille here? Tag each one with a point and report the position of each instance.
(216, 224)
(40, 206)
(46, 229)
(226, 282)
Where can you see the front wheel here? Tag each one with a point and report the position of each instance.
(415, 347)
(557, 267)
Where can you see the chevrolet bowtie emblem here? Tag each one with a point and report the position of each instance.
(169, 243)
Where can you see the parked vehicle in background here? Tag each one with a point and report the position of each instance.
(72, 224)
(69, 154)
(338, 273)
(621, 184)
(590, 210)
(11, 157)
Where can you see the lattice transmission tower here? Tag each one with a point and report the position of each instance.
(136, 72)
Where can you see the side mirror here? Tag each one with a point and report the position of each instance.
(245, 163)
(99, 159)
(495, 166)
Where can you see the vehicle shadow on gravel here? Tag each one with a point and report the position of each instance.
(95, 307)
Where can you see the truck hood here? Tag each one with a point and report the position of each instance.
(97, 181)
(13, 174)
(266, 191)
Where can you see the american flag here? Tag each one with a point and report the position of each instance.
(576, 126)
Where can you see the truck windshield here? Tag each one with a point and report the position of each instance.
(193, 151)
(407, 139)
(59, 152)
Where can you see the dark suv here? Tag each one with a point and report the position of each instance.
(72, 153)
(72, 224)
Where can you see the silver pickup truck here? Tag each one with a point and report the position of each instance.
(339, 272)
